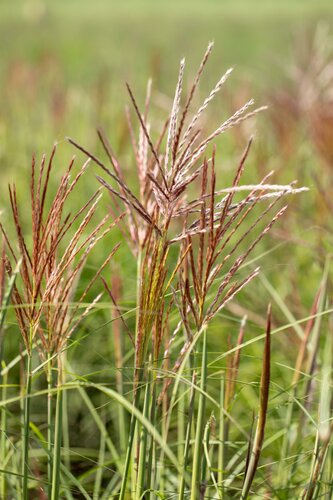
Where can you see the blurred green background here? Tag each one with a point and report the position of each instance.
(63, 64)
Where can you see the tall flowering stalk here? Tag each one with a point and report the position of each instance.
(209, 230)
(51, 262)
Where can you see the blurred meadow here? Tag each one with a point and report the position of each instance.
(63, 69)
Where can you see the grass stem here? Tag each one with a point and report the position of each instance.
(129, 448)
(26, 421)
(137, 392)
(49, 426)
(143, 444)
(187, 439)
(3, 435)
(221, 447)
(151, 465)
(55, 490)
(197, 454)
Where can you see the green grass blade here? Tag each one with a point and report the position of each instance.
(325, 426)
(221, 447)
(151, 466)
(183, 474)
(208, 457)
(143, 445)
(25, 435)
(197, 453)
(99, 471)
(55, 491)
(3, 438)
(260, 430)
(49, 426)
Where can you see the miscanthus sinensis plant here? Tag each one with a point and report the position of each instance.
(191, 241)
(42, 296)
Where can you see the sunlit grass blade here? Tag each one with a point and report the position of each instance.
(325, 426)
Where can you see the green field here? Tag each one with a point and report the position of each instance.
(63, 72)
(75, 57)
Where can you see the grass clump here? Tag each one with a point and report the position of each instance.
(165, 426)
